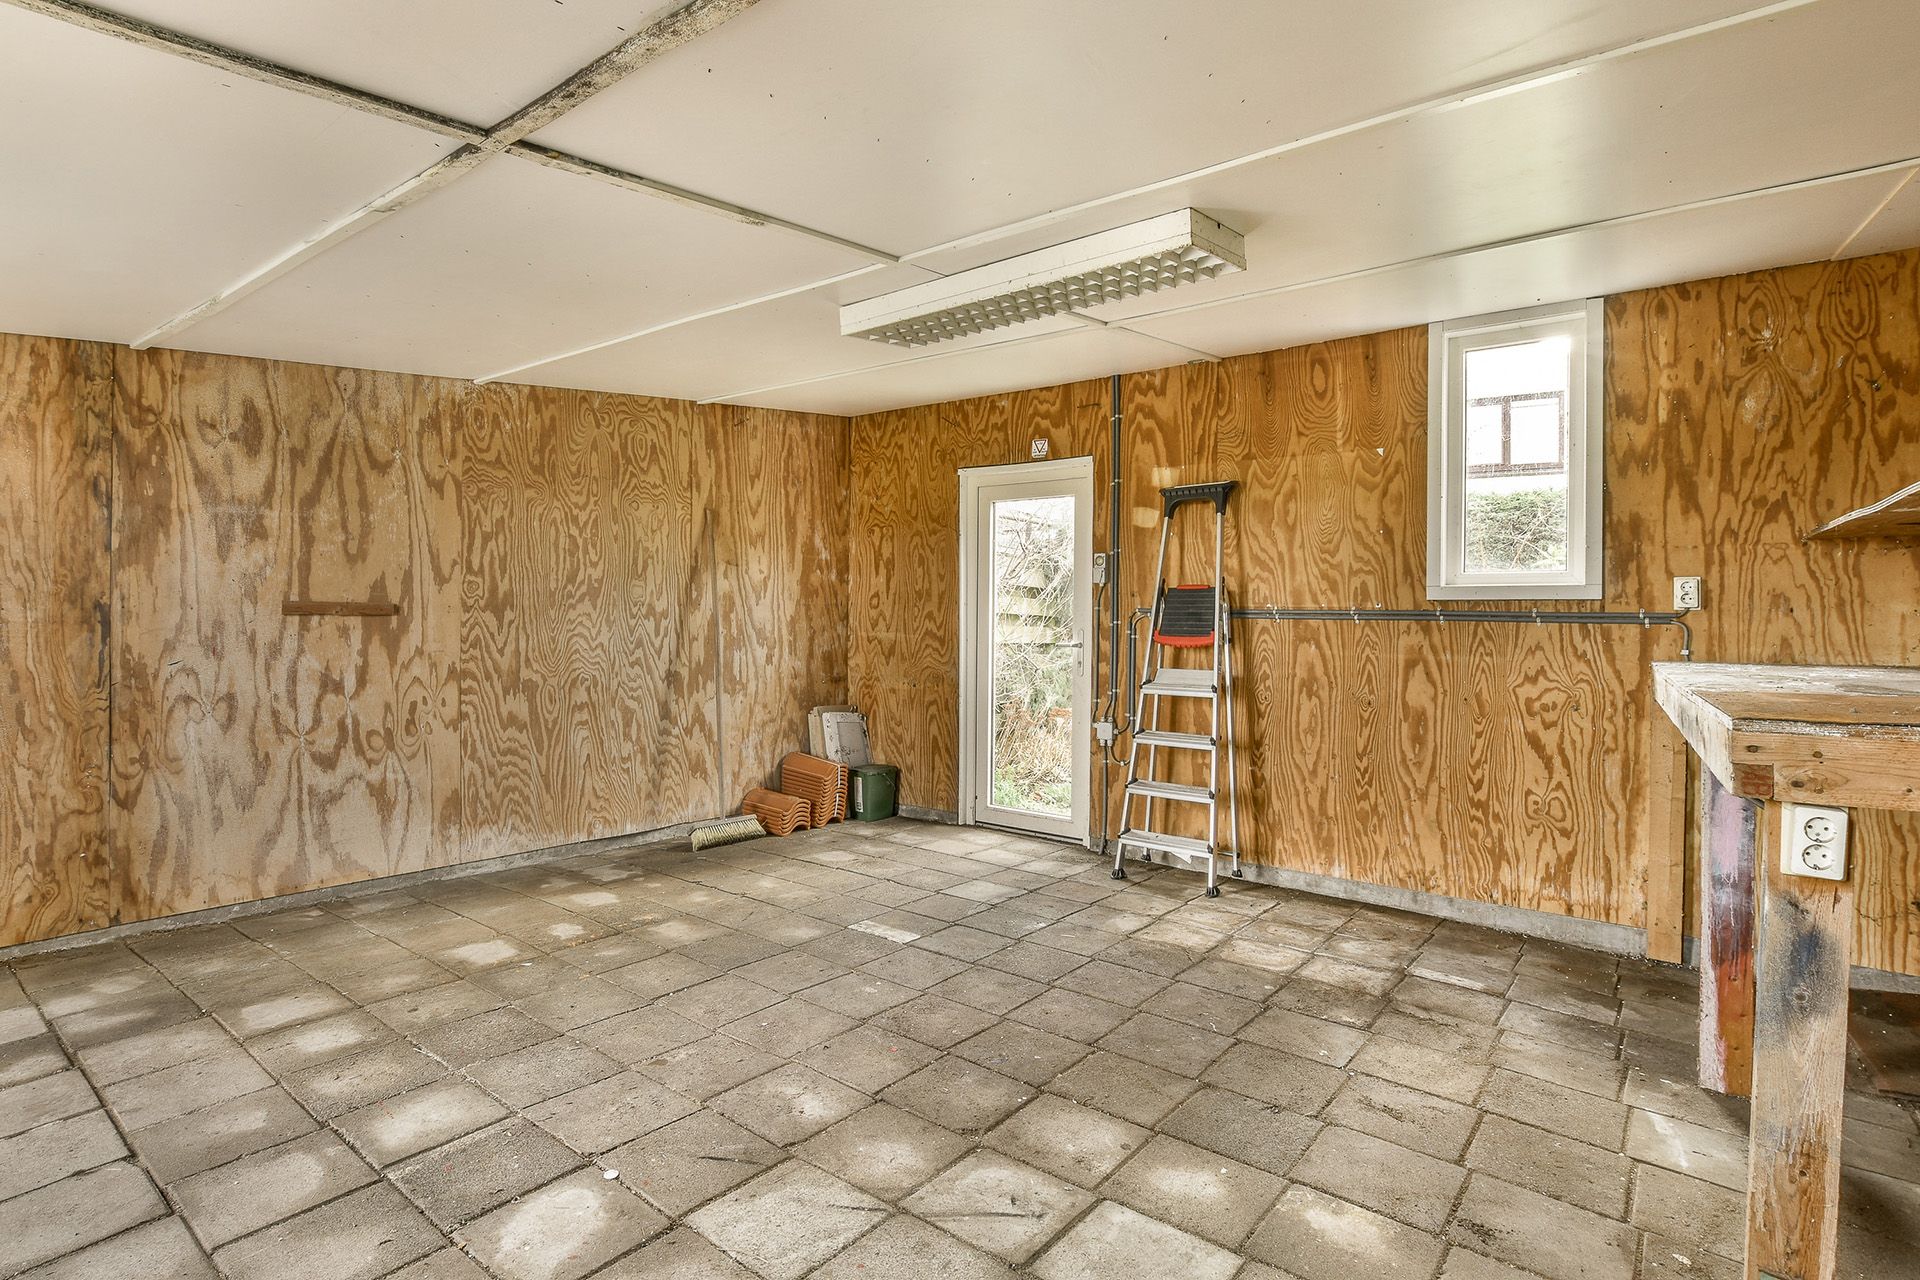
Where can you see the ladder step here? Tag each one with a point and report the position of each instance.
(1168, 738)
(1159, 790)
(1185, 846)
(1181, 682)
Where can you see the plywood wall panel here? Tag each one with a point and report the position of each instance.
(55, 487)
(1493, 762)
(560, 567)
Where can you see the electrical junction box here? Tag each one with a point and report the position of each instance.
(1039, 449)
(1813, 841)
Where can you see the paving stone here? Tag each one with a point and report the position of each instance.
(485, 1035)
(1328, 1002)
(884, 1150)
(74, 1212)
(789, 1028)
(790, 971)
(1282, 1079)
(959, 1095)
(1576, 1172)
(720, 1000)
(112, 1061)
(859, 995)
(655, 977)
(1176, 1046)
(563, 1230)
(1025, 1053)
(1071, 1014)
(1463, 1265)
(707, 1067)
(30, 1058)
(56, 1150)
(173, 1091)
(51, 1097)
(216, 1134)
(1530, 1230)
(1066, 1139)
(788, 1221)
(434, 1006)
(578, 1001)
(934, 1020)
(643, 1034)
(1403, 1116)
(360, 1236)
(1114, 1240)
(681, 1254)
(1546, 1105)
(903, 1246)
(252, 1192)
(347, 1084)
(542, 1071)
(257, 1017)
(1033, 960)
(1692, 1149)
(989, 990)
(1316, 1237)
(1196, 1190)
(915, 968)
(691, 1160)
(1331, 1043)
(450, 1263)
(308, 1044)
(418, 1120)
(1260, 1134)
(1122, 1087)
(789, 1103)
(472, 1174)
(163, 1248)
(1451, 1075)
(1007, 1208)
(1705, 1215)
(601, 1116)
(1599, 1074)
(1114, 983)
(869, 1058)
(1376, 1174)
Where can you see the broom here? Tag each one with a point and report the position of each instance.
(727, 831)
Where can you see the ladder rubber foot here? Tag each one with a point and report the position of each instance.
(1214, 892)
(1238, 875)
(1118, 874)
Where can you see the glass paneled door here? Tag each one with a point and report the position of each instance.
(1027, 612)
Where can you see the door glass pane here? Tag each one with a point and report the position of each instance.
(1517, 482)
(1033, 657)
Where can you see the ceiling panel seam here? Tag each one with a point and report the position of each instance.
(1129, 322)
(1499, 87)
(1876, 211)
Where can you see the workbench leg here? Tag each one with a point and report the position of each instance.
(1799, 1069)
(1728, 825)
(1666, 842)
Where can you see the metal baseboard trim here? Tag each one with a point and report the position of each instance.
(1595, 935)
(352, 889)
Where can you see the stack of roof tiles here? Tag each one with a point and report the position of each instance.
(821, 783)
(781, 815)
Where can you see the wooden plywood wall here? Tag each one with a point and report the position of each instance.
(608, 614)
(1500, 763)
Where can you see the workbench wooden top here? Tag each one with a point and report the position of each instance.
(1845, 736)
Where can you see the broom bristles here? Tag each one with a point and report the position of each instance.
(732, 831)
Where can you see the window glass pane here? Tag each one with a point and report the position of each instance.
(1483, 435)
(1516, 513)
(1033, 657)
(1536, 432)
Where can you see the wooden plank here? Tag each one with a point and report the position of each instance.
(1799, 1070)
(339, 609)
(1894, 516)
(56, 437)
(1727, 871)
(1667, 843)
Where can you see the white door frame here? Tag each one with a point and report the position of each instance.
(1072, 476)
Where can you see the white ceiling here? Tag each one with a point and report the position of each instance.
(1389, 163)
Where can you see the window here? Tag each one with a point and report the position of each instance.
(1514, 455)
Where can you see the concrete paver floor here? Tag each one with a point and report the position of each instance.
(871, 1051)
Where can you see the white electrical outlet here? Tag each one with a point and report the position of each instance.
(1686, 593)
(1099, 568)
(1813, 841)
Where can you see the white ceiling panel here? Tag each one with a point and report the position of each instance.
(134, 184)
(1897, 226)
(476, 63)
(789, 340)
(1796, 226)
(905, 125)
(1672, 125)
(510, 264)
(1067, 356)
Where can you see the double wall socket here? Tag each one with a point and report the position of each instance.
(1686, 594)
(1813, 841)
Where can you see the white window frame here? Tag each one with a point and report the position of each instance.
(1448, 341)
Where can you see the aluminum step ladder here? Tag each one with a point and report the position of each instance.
(1185, 619)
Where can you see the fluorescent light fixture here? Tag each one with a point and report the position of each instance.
(1143, 257)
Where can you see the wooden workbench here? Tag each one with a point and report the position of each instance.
(1774, 948)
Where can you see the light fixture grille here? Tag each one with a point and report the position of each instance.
(1160, 253)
